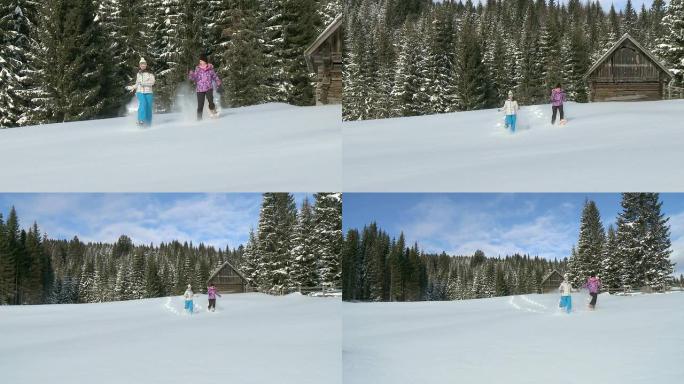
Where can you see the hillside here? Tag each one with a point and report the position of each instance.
(266, 147)
(618, 146)
(251, 338)
(516, 339)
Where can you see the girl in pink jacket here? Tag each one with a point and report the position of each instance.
(211, 292)
(205, 78)
(593, 285)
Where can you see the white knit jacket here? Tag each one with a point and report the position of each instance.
(144, 82)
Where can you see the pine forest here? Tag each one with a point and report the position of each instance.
(289, 249)
(67, 60)
(635, 253)
(417, 57)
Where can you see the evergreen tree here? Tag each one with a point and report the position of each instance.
(299, 30)
(327, 236)
(276, 221)
(304, 257)
(671, 45)
(611, 265)
(16, 27)
(73, 78)
(589, 246)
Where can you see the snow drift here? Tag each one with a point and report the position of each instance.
(617, 146)
(517, 339)
(270, 147)
(251, 338)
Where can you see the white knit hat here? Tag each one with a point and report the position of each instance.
(142, 61)
(510, 93)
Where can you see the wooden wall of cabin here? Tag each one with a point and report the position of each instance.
(227, 281)
(626, 91)
(627, 64)
(328, 61)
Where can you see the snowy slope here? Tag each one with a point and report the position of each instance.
(251, 338)
(271, 147)
(520, 339)
(618, 146)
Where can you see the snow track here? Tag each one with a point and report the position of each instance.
(252, 338)
(516, 340)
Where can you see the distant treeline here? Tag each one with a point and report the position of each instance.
(290, 248)
(378, 267)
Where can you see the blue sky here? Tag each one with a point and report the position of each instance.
(546, 225)
(214, 219)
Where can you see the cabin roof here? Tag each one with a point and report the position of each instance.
(327, 32)
(220, 267)
(548, 275)
(617, 45)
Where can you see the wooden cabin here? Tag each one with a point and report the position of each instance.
(228, 279)
(627, 72)
(551, 282)
(324, 58)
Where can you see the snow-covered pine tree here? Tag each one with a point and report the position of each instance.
(441, 58)
(671, 44)
(300, 21)
(631, 231)
(656, 28)
(658, 268)
(328, 236)
(123, 23)
(242, 67)
(530, 81)
(397, 269)
(304, 257)
(472, 84)
(272, 20)
(550, 48)
(407, 80)
(17, 19)
(611, 265)
(629, 20)
(73, 78)
(576, 64)
(277, 219)
(251, 260)
(589, 245)
(353, 95)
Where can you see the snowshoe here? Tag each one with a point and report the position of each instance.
(140, 123)
(563, 121)
(213, 114)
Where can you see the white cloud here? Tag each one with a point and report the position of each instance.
(440, 224)
(215, 219)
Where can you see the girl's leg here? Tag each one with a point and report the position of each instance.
(513, 121)
(142, 107)
(210, 99)
(560, 108)
(553, 114)
(150, 104)
(200, 104)
(568, 308)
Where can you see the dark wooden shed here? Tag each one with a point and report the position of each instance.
(324, 58)
(627, 72)
(551, 282)
(228, 279)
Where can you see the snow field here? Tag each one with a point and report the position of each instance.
(517, 339)
(270, 147)
(616, 146)
(251, 338)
